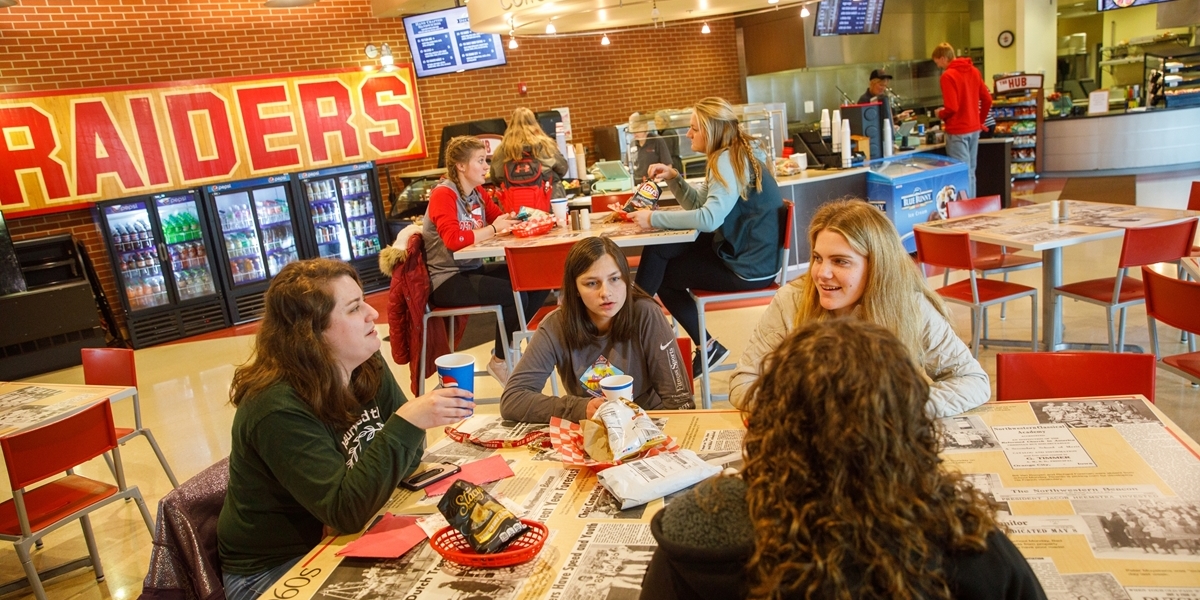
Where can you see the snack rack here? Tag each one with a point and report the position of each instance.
(1017, 108)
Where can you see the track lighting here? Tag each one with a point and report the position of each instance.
(705, 29)
(604, 40)
(804, 12)
(550, 30)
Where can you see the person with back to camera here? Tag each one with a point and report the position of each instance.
(966, 103)
(524, 139)
(650, 147)
(737, 211)
(460, 215)
(842, 495)
(605, 326)
(322, 434)
(859, 268)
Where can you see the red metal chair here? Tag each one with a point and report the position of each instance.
(1142, 246)
(1038, 375)
(534, 269)
(953, 250)
(990, 259)
(685, 353)
(707, 300)
(116, 366)
(35, 455)
(1176, 303)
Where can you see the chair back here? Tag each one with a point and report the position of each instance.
(685, 354)
(1194, 198)
(42, 452)
(535, 268)
(1172, 301)
(600, 203)
(973, 206)
(1037, 375)
(109, 366)
(787, 229)
(1158, 243)
(949, 249)
(185, 538)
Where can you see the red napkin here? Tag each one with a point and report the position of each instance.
(492, 468)
(391, 537)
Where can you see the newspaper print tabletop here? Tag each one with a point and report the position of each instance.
(623, 234)
(1109, 507)
(1030, 227)
(26, 405)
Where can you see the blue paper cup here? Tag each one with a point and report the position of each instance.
(456, 370)
(617, 386)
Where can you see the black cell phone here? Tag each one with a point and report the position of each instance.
(428, 474)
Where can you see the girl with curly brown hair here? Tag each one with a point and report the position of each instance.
(842, 495)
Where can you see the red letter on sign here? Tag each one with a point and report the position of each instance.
(223, 158)
(27, 144)
(148, 140)
(335, 119)
(259, 128)
(389, 112)
(100, 150)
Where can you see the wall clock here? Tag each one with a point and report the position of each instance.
(1006, 39)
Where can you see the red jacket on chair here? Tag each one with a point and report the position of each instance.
(408, 299)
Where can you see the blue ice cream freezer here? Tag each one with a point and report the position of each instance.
(912, 188)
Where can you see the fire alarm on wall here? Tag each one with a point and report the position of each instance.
(522, 89)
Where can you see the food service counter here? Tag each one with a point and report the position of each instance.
(1122, 141)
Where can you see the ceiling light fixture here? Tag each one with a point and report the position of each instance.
(512, 40)
(804, 14)
(772, 1)
(654, 14)
(550, 30)
(705, 29)
(604, 40)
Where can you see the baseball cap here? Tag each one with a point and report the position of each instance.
(880, 74)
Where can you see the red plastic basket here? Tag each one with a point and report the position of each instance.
(529, 230)
(454, 547)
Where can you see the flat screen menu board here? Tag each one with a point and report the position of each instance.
(442, 42)
(1115, 4)
(848, 17)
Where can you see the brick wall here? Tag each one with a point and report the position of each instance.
(68, 44)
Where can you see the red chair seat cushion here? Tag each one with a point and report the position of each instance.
(54, 501)
(1188, 363)
(1101, 290)
(768, 293)
(538, 316)
(1004, 261)
(989, 289)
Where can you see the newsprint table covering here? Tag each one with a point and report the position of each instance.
(1102, 495)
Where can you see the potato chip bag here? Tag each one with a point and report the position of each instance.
(484, 522)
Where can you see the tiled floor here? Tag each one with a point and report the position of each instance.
(184, 395)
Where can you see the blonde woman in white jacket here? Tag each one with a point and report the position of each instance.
(859, 268)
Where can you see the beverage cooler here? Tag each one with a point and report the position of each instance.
(160, 252)
(914, 188)
(255, 218)
(344, 215)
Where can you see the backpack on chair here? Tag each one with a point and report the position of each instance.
(526, 183)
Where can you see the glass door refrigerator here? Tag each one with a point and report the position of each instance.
(160, 249)
(255, 220)
(344, 214)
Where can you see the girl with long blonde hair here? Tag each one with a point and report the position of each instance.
(524, 137)
(738, 211)
(859, 269)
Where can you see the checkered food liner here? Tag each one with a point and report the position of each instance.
(567, 438)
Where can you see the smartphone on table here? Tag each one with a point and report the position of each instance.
(428, 474)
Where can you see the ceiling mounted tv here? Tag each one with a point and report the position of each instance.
(1103, 5)
(848, 17)
(442, 42)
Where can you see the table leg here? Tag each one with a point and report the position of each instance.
(1051, 308)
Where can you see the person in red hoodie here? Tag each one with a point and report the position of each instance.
(966, 102)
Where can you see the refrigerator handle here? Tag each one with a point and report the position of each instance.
(162, 253)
